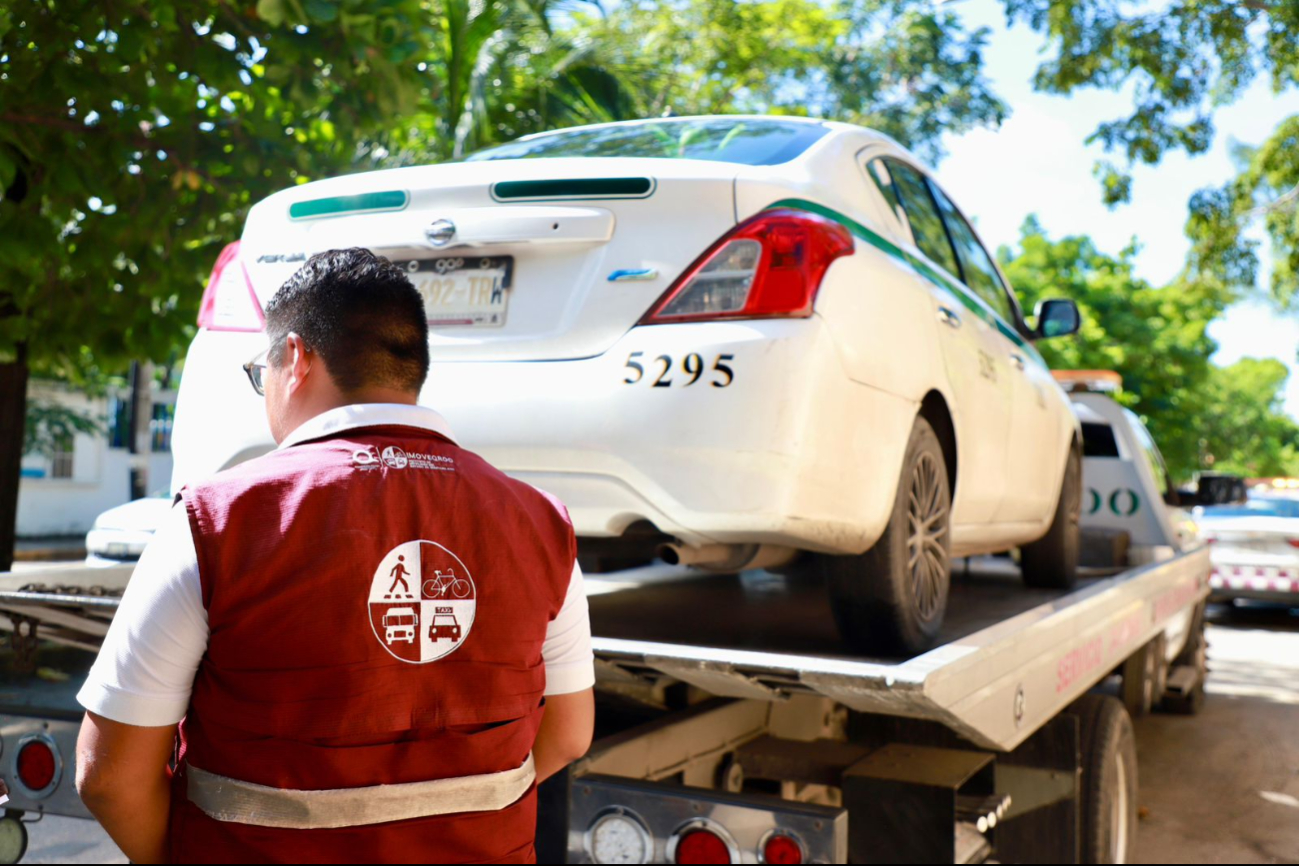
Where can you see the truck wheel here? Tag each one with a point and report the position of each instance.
(1051, 562)
(1109, 779)
(892, 597)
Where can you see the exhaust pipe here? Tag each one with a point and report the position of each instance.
(726, 558)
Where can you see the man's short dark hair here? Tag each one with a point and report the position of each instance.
(361, 313)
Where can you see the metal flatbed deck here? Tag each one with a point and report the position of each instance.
(1009, 658)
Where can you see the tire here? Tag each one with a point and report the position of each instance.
(1051, 562)
(1108, 751)
(883, 601)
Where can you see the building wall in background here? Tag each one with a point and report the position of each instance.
(99, 472)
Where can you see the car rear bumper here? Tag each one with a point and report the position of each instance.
(783, 449)
(1262, 582)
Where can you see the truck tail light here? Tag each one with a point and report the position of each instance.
(229, 303)
(36, 765)
(769, 266)
(781, 848)
(701, 845)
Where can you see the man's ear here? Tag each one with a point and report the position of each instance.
(297, 359)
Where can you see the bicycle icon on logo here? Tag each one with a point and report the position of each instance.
(441, 583)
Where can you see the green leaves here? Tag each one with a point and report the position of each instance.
(143, 132)
(1181, 60)
(50, 426)
(1203, 416)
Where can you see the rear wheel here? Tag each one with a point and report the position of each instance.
(1052, 561)
(892, 597)
(1109, 779)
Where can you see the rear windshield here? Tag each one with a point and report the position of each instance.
(1099, 441)
(1255, 508)
(745, 141)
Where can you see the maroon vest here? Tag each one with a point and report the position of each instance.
(377, 602)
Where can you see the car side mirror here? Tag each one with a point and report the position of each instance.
(1056, 317)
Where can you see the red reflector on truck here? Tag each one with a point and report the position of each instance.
(36, 765)
(769, 266)
(782, 849)
(702, 846)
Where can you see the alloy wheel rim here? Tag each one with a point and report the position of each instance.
(927, 560)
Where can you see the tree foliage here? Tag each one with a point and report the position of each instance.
(1202, 416)
(133, 137)
(1241, 426)
(897, 66)
(1265, 192)
(1181, 60)
(50, 426)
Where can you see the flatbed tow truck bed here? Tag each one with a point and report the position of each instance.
(1008, 657)
(767, 729)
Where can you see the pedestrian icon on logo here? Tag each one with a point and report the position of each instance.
(398, 574)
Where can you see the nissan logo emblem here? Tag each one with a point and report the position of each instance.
(440, 233)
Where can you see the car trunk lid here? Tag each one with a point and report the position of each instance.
(517, 260)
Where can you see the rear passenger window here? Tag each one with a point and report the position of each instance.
(879, 174)
(910, 189)
(980, 274)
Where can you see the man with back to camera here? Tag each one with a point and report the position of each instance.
(308, 730)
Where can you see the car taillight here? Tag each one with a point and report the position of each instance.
(229, 303)
(768, 266)
(779, 848)
(702, 846)
(1293, 542)
(36, 765)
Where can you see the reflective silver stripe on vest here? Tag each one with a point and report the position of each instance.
(227, 799)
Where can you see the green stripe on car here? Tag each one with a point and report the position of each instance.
(921, 266)
(339, 205)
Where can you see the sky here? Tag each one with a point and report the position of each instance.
(1036, 162)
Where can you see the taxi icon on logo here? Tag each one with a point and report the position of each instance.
(444, 625)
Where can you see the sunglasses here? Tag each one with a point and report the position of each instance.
(255, 369)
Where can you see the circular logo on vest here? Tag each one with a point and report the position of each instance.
(422, 601)
(394, 457)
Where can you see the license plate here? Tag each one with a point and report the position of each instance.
(464, 291)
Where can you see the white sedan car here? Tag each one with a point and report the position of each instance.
(1255, 548)
(739, 337)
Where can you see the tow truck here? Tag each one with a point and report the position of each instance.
(733, 727)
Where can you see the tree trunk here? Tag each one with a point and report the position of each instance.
(13, 412)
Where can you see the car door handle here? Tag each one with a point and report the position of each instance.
(948, 317)
(1017, 359)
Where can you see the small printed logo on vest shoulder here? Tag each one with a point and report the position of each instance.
(394, 457)
(422, 601)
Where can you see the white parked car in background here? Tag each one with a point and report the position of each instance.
(1254, 546)
(120, 534)
(742, 337)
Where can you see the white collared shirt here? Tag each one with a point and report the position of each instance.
(145, 670)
